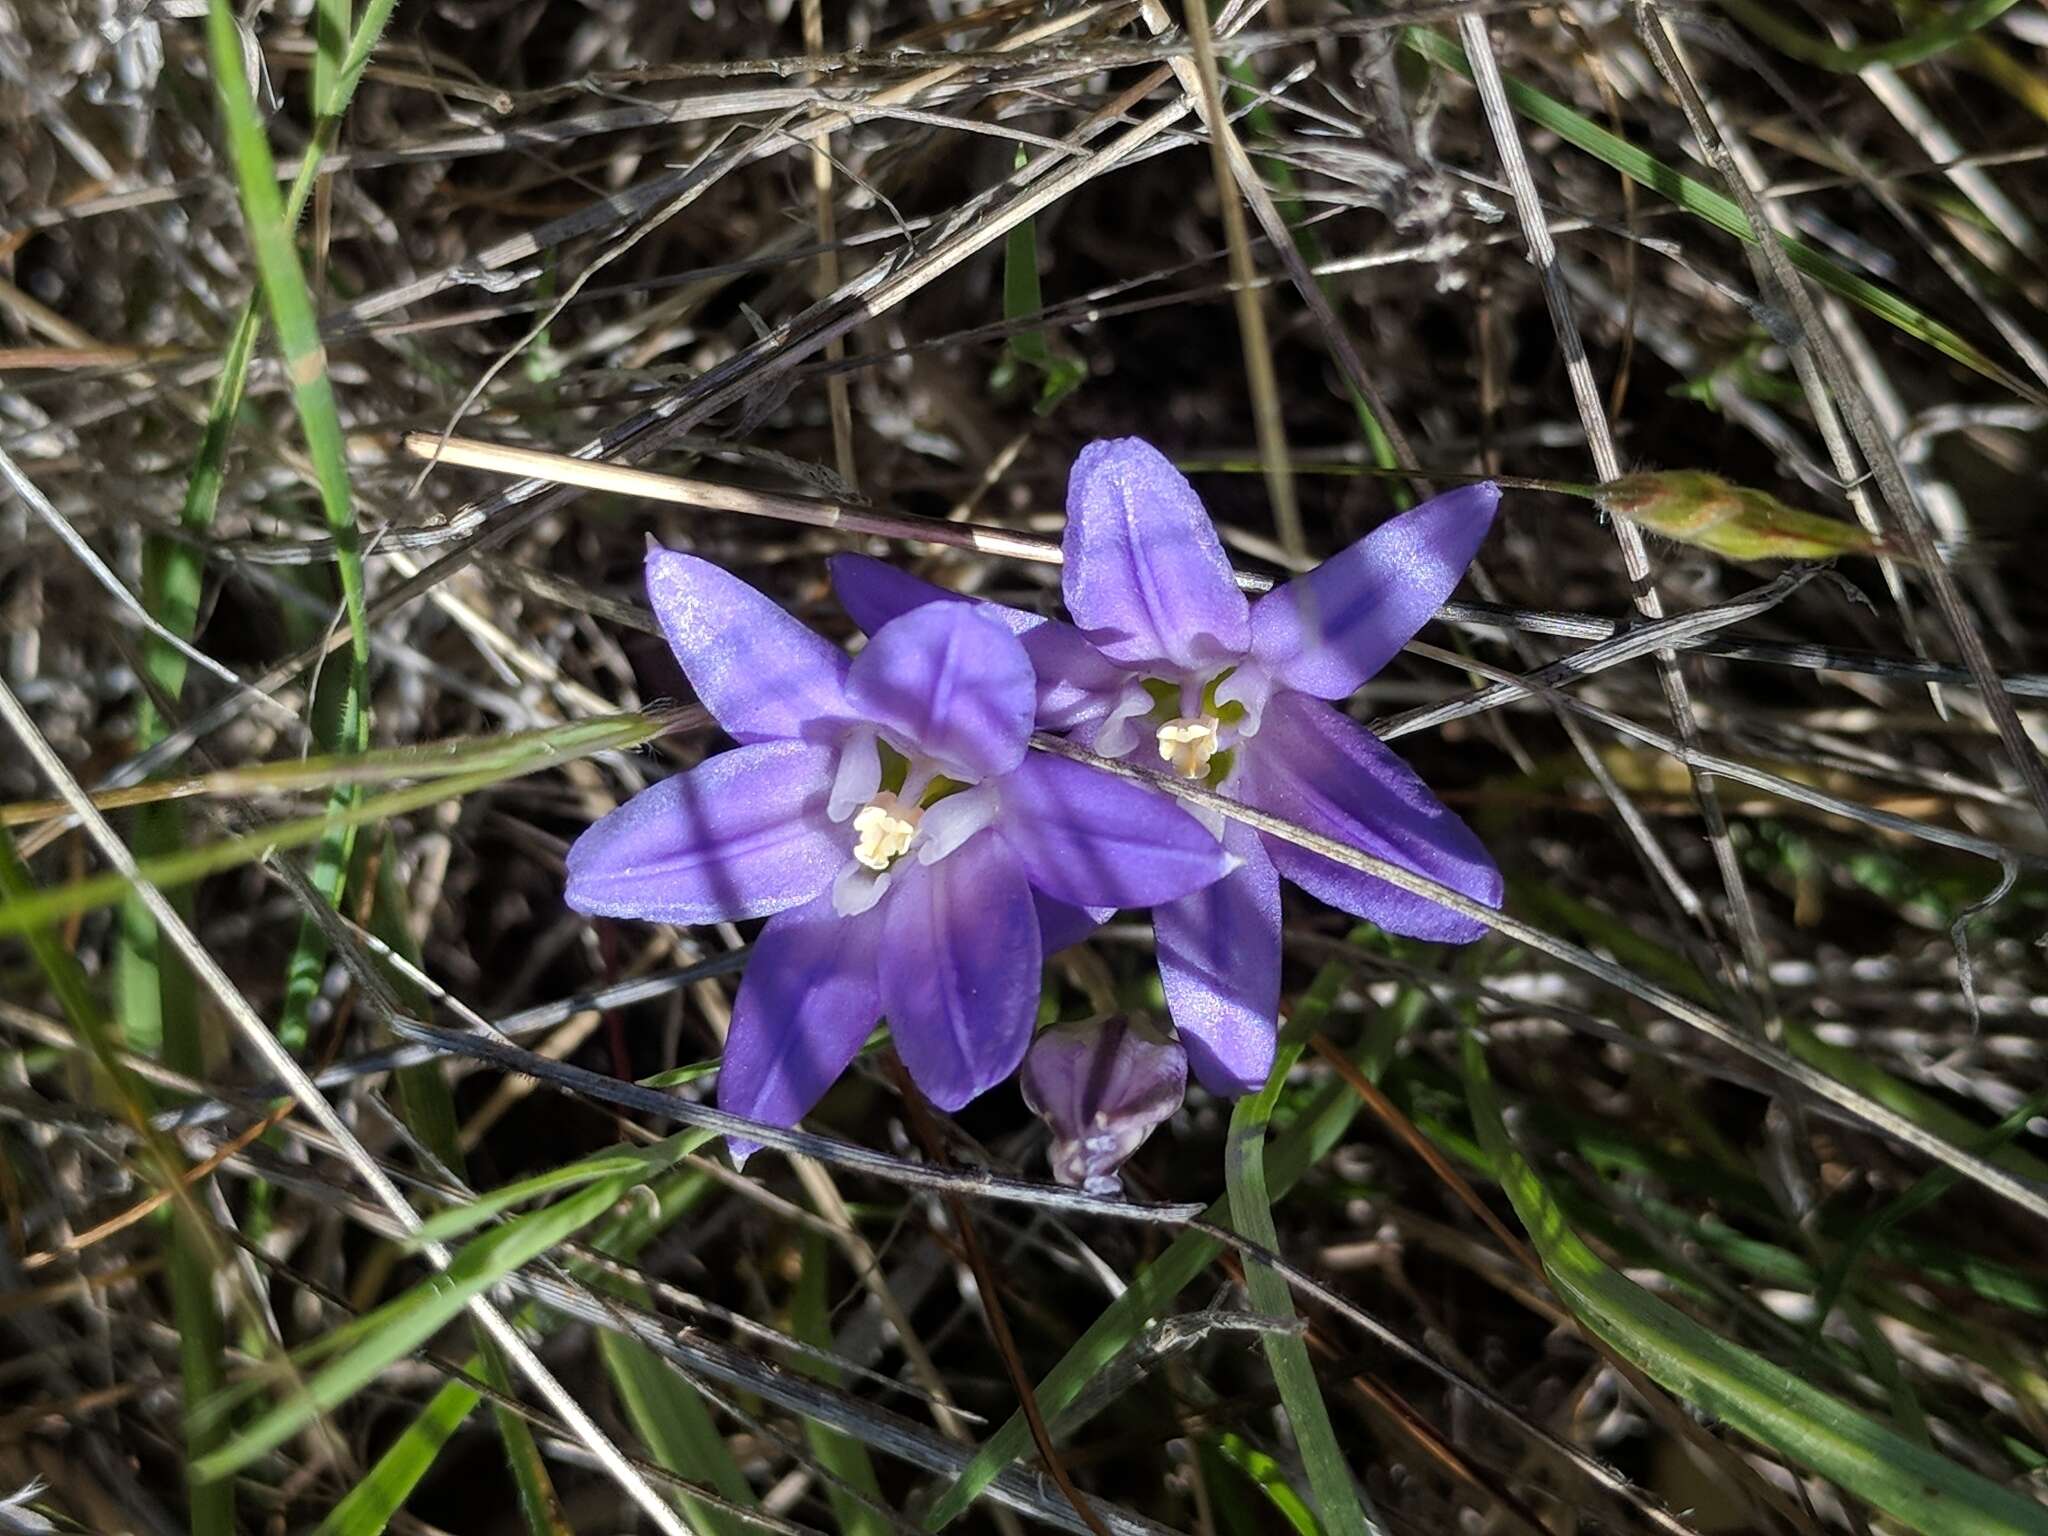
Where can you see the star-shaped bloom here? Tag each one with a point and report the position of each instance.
(1168, 664)
(887, 817)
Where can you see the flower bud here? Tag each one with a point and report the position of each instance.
(1737, 522)
(1102, 1086)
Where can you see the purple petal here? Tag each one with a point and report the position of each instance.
(1061, 923)
(1219, 961)
(743, 834)
(1145, 577)
(807, 1002)
(1101, 1088)
(1075, 681)
(1331, 775)
(763, 676)
(1086, 837)
(873, 592)
(959, 969)
(1326, 632)
(949, 683)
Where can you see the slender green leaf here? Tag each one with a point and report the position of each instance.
(1722, 212)
(1307, 1140)
(404, 1324)
(1748, 1393)
(842, 1456)
(1339, 1500)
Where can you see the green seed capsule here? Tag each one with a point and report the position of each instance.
(1733, 521)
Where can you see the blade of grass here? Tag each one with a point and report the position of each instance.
(1307, 1141)
(421, 760)
(1270, 1478)
(1746, 1392)
(1924, 42)
(405, 1323)
(846, 1459)
(195, 863)
(368, 1507)
(194, 1255)
(1700, 200)
(428, 1107)
(1340, 1501)
(1059, 374)
(670, 1416)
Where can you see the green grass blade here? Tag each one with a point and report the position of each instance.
(1924, 42)
(1306, 1142)
(845, 1458)
(669, 1415)
(443, 1226)
(404, 1324)
(1060, 375)
(195, 863)
(665, 1408)
(428, 1106)
(1339, 1500)
(367, 1508)
(1270, 1478)
(1722, 212)
(194, 1254)
(1762, 1401)
(291, 313)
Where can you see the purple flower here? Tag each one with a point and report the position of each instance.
(1167, 662)
(886, 817)
(1101, 1087)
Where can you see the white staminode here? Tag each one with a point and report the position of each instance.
(1188, 743)
(885, 829)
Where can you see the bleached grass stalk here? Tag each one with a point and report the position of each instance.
(1635, 556)
(258, 1039)
(2024, 1193)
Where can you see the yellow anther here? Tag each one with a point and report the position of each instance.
(885, 829)
(1188, 743)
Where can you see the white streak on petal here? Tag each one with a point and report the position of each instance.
(1208, 815)
(858, 888)
(1116, 735)
(954, 820)
(857, 777)
(1251, 687)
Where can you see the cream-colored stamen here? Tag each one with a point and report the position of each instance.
(886, 829)
(1188, 743)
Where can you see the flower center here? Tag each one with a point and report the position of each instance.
(884, 828)
(1188, 743)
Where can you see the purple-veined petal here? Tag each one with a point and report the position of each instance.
(1326, 632)
(1076, 682)
(873, 592)
(1087, 837)
(949, 683)
(763, 676)
(1219, 961)
(743, 834)
(1323, 770)
(1146, 578)
(958, 963)
(1061, 923)
(1101, 1088)
(807, 1001)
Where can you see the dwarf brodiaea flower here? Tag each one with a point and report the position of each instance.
(1167, 664)
(1101, 1087)
(887, 818)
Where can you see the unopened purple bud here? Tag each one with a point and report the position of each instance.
(1102, 1087)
